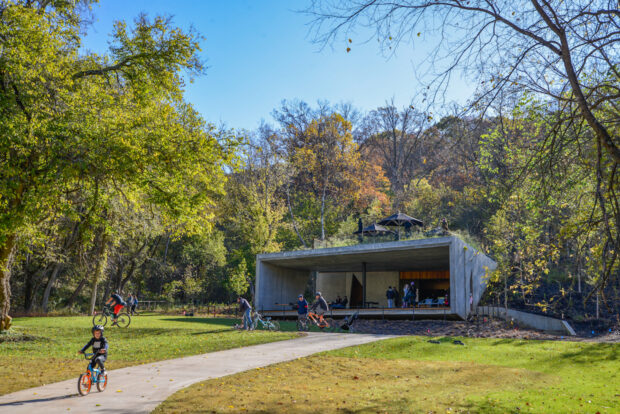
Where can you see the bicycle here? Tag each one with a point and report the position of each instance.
(321, 322)
(266, 322)
(85, 382)
(122, 321)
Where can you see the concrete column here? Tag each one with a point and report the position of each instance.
(363, 284)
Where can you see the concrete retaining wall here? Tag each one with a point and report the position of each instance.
(469, 272)
(531, 320)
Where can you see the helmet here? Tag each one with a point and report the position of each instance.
(318, 294)
(97, 328)
(300, 296)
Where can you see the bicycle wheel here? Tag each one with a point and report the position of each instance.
(274, 326)
(102, 381)
(329, 323)
(84, 384)
(123, 320)
(100, 319)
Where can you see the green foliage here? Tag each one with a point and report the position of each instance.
(238, 279)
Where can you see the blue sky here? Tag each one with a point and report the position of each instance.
(259, 53)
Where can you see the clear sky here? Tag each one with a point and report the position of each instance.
(259, 53)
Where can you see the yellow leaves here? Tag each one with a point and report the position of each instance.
(348, 49)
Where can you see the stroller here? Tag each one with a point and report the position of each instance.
(347, 323)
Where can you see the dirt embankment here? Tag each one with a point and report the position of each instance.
(484, 328)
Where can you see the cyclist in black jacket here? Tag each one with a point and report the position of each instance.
(100, 348)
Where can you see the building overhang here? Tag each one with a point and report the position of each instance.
(423, 254)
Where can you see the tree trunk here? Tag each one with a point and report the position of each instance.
(30, 288)
(323, 213)
(130, 272)
(76, 292)
(290, 210)
(50, 284)
(132, 267)
(6, 255)
(93, 296)
(506, 294)
(119, 275)
(166, 250)
(99, 271)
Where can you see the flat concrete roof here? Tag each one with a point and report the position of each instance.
(423, 254)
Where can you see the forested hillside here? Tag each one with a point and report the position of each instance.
(110, 180)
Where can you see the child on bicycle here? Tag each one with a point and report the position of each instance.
(100, 348)
(119, 304)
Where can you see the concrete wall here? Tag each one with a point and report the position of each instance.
(469, 272)
(278, 285)
(376, 285)
(334, 284)
(531, 320)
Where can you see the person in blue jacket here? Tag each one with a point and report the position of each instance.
(302, 307)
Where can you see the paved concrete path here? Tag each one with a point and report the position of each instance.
(141, 388)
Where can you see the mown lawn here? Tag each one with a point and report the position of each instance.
(410, 375)
(51, 353)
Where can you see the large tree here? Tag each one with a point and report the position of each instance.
(567, 50)
(114, 124)
(327, 161)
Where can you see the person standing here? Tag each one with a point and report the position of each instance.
(390, 297)
(246, 310)
(134, 304)
(302, 309)
(406, 296)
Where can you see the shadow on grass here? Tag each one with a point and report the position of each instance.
(587, 353)
(211, 321)
(213, 331)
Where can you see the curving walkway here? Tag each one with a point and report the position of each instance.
(141, 388)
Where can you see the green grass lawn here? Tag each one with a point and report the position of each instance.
(410, 375)
(52, 354)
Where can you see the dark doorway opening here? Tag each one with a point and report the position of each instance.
(357, 293)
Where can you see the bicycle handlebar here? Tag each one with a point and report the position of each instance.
(89, 355)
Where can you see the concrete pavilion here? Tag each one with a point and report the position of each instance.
(363, 273)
